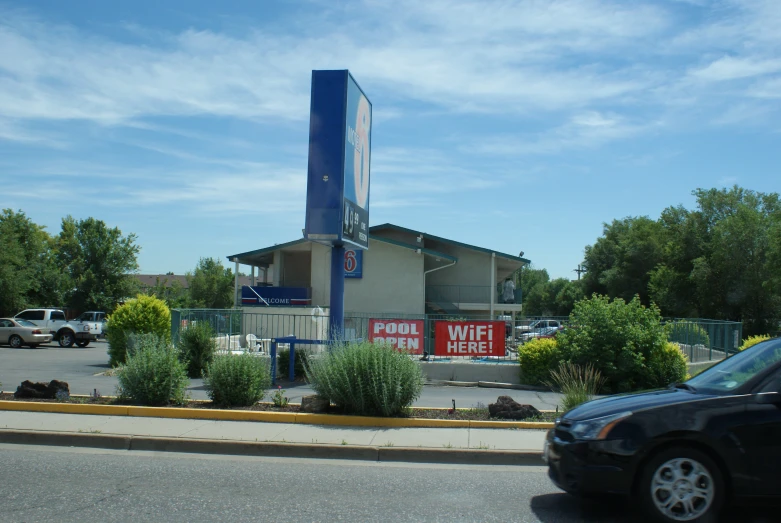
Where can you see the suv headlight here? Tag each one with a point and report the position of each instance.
(597, 428)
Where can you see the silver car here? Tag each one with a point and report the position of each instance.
(16, 332)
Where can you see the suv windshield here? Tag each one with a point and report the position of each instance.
(738, 369)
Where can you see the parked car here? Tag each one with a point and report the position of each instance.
(537, 325)
(682, 452)
(17, 332)
(65, 332)
(547, 332)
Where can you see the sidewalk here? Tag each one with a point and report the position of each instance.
(440, 445)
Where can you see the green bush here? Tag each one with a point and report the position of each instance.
(197, 347)
(619, 339)
(239, 380)
(153, 375)
(299, 366)
(577, 384)
(668, 365)
(135, 342)
(687, 333)
(144, 314)
(753, 340)
(366, 378)
(537, 357)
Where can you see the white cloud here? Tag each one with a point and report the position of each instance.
(732, 68)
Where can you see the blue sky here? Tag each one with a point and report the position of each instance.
(516, 126)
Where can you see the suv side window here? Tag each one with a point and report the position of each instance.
(57, 316)
(32, 315)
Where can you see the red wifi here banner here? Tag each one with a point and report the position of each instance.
(469, 338)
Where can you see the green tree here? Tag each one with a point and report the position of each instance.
(29, 275)
(211, 285)
(176, 295)
(99, 261)
(619, 264)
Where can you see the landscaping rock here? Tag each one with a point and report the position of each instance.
(314, 404)
(49, 391)
(507, 408)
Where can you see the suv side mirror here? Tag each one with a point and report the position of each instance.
(769, 398)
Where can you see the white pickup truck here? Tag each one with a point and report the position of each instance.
(65, 332)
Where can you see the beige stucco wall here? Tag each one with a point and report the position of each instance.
(473, 268)
(392, 281)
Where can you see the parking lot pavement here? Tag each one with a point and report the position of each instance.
(82, 369)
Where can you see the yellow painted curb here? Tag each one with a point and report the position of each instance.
(65, 408)
(268, 417)
(476, 424)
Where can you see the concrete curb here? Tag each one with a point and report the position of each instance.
(268, 417)
(514, 386)
(271, 449)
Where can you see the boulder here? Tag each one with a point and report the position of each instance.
(50, 390)
(314, 404)
(507, 408)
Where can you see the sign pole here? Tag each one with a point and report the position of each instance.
(336, 324)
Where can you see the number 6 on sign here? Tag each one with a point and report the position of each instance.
(353, 264)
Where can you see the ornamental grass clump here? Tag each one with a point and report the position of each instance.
(153, 375)
(237, 380)
(577, 384)
(366, 378)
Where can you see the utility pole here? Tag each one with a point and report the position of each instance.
(579, 270)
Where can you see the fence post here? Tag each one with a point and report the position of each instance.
(292, 366)
(274, 361)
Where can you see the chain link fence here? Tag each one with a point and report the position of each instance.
(699, 339)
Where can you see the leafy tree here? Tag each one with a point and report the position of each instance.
(174, 294)
(28, 272)
(98, 260)
(620, 262)
(553, 298)
(211, 285)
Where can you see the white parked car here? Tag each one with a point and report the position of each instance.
(16, 332)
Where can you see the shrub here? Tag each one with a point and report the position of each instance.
(537, 358)
(753, 340)
(618, 339)
(135, 342)
(366, 378)
(577, 384)
(299, 366)
(197, 347)
(237, 380)
(687, 333)
(153, 375)
(668, 365)
(144, 314)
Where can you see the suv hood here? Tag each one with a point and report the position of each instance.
(632, 402)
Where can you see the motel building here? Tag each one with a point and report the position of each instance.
(405, 275)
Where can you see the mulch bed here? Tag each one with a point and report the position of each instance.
(474, 414)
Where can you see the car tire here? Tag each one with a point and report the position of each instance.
(681, 484)
(82, 343)
(15, 341)
(66, 339)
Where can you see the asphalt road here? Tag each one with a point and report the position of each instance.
(81, 369)
(83, 485)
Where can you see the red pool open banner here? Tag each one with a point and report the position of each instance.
(405, 335)
(469, 338)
